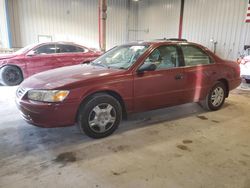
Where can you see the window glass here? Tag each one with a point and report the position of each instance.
(25, 49)
(164, 57)
(45, 49)
(121, 57)
(79, 49)
(195, 56)
(66, 48)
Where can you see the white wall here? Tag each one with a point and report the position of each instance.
(4, 35)
(117, 20)
(158, 19)
(223, 20)
(64, 20)
(77, 20)
(67, 20)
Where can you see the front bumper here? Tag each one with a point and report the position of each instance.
(48, 115)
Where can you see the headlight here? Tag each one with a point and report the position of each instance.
(48, 95)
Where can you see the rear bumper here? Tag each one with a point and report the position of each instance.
(234, 83)
(48, 115)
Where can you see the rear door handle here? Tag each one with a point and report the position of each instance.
(179, 76)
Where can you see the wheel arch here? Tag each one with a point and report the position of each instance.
(225, 82)
(112, 93)
(11, 65)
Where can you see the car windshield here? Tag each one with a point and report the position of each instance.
(121, 57)
(25, 49)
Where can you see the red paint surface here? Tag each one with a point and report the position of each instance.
(41, 62)
(140, 92)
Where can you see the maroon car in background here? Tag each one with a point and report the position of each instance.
(41, 57)
(129, 78)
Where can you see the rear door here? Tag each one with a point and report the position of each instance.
(68, 54)
(163, 86)
(199, 72)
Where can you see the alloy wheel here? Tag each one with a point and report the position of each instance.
(217, 96)
(102, 117)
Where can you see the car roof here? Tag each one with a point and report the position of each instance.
(59, 42)
(163, 41)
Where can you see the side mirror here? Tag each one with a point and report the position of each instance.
(146, 67)
(31, 53)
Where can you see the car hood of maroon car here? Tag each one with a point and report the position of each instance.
(68, 76)
(7, 56)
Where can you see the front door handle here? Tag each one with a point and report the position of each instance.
(179, 76)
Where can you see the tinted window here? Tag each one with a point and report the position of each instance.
(64, 48)
(45, 49)
(164, 57)
(195, 56)
(79, 49)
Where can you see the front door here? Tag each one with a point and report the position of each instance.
(41, 59)
(163, 86)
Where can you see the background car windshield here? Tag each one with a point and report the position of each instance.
(121, 57)
(25, 49)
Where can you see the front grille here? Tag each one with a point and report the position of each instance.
(20, 92)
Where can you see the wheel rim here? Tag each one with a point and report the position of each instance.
(217, 96)
(11, 75)
(102, 118)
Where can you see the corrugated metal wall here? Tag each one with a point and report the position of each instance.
(158, 19)
(64, 20)
(221, 20)
(4, 36)
(122, 22)
(117, 21)
(77, 20)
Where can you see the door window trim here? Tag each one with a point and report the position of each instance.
(42, 45)
(212, 61)
(178, 50)
(85, 49)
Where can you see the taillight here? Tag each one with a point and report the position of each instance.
(238, 71)
(239, 60)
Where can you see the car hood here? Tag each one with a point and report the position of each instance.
(67, 76)
(7, 56)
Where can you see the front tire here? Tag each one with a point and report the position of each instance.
(100, 116)
(10, 75)
(215, 98)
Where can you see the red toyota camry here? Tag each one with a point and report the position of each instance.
(129, 78)
(41, 57)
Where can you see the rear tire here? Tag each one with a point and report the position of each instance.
(10, 75)
(99, 116)
(215, 97)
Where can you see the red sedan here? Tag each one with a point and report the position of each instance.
(41, 57)
(129, 78)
